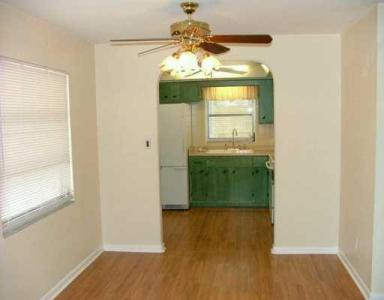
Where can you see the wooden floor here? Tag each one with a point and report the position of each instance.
(214, 254)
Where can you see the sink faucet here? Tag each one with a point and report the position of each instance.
(234, 133)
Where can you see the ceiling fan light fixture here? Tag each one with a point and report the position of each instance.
(209, 63)
(187, 62)
(169, 63)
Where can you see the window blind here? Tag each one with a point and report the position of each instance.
(224, 116)
(35, 149)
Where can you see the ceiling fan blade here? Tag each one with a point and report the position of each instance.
(242, 38)
(213, 47)
(229, 70)
(122, 42)
(152, 50)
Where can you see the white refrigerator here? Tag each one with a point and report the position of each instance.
(174, 133)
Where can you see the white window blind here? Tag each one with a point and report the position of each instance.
(229, 108)
(36, 167)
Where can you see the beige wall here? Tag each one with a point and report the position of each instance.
(126, 93)
(33, 260)
(306, 71)
(359, 95)
(377, 285)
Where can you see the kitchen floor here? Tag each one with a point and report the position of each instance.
(214, 253)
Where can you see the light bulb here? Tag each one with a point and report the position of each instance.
(209, 63)
(169, 63)
(187, 62)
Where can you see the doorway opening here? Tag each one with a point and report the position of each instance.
(217, 158)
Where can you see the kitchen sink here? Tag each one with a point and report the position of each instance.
(227, 151)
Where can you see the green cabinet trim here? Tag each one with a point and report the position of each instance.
(220, 181)
(191, 91)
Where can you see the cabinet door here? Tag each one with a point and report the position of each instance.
(266, 102)
(261, 187)
(169, 92)
(242, 186)
(197, 181)
(190, 92)
(218, 185)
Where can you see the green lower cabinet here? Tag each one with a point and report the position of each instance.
(198, 191)
(261, 187)
(228, 181)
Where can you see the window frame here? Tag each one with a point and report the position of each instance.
(33, 215)
(229, 139)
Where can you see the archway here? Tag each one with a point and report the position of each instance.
(185, 123)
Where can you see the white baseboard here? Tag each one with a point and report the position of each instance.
(355, 276)
(373, 296)
(304, 250)
(135, 248)
(63, 283)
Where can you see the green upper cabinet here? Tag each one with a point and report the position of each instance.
(191, 91)
(179, 92)
(266, 102)
(169, 92)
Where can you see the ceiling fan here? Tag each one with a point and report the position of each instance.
(196, 45)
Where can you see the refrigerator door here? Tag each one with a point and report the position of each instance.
(174, 187)
(174, 133)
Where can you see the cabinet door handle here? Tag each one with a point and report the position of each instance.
(233, 172)
(225, 172)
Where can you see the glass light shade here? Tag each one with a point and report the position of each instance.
(187, 62)
(209, 63)
(169, 63)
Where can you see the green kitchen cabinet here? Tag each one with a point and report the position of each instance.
(179, 92)
(198, 191)
(228, 181)
(266, 102)
(218, 186)
(169, 92)
(261, 187)
(243, 186)
(188, 91)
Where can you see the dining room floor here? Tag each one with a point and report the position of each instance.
(214, 253)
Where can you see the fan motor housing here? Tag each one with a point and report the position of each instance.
(197, 28)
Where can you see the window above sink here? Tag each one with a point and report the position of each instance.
(230, 113)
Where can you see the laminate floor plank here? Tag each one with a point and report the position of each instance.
(214, 254)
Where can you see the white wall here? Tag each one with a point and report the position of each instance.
(306, 70)
(33, 260)
(359, 95)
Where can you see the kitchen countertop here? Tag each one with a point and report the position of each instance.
(251, 151)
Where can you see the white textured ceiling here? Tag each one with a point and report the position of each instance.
(101, 20)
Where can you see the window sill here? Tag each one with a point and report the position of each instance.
(24, 221)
